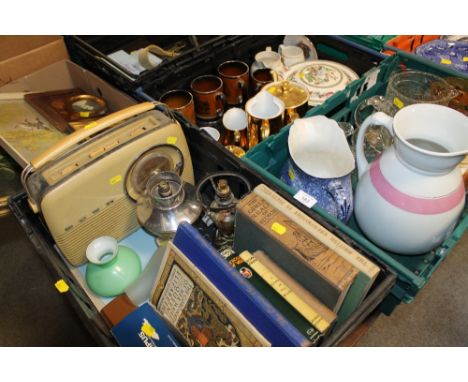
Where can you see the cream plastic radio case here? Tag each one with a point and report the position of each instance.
(79, 184)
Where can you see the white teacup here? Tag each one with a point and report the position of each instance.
(291, 55)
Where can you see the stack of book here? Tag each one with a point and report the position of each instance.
(308, 255)
(289, 283)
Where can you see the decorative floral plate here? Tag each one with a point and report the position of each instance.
(322, 78)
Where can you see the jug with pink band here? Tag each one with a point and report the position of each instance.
(410, 198)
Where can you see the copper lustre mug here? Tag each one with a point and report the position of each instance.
(260, 78)
(235, 76)
(181, 101)
(209, 97)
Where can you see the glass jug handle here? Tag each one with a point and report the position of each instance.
(379, 119)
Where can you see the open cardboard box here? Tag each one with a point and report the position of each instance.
(39, 64)
(21, 55)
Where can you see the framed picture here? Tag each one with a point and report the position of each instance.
(24, 133)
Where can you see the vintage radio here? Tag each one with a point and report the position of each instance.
(79, 184)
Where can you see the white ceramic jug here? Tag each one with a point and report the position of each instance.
(409, 199)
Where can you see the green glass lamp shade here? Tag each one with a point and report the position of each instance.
(111, 267)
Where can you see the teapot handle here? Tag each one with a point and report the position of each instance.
(379, 119)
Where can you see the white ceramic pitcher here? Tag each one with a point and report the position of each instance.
(409, 199)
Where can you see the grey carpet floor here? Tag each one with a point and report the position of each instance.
(32, 312)
(439, 314)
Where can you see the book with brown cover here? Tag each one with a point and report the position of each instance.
(368, 271)
(260, 226)
(116, 310)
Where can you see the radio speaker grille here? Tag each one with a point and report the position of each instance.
(117, 220)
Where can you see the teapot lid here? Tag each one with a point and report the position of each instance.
(290, 93)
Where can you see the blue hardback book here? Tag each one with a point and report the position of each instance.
(251, 303)
(144, 327)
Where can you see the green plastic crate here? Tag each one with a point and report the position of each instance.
(269, 156)
(375, 42)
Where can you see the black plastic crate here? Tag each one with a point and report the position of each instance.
(179, 74)
(92, 53)
(207, 157)
(201, 55)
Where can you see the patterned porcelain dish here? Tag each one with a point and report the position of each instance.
(322, 78)
(334, 195)
(451, 53)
